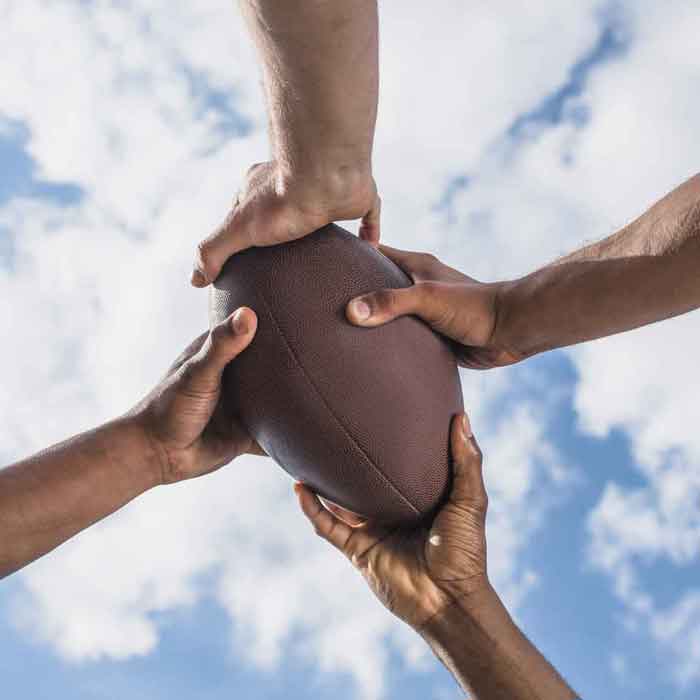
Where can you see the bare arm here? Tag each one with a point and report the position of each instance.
(48, 498)
(320, 73)
(489, 656)
(647, 272)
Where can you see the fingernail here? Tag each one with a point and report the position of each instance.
(466, 427)
(435, 540)
(198, 279)
(240, 325)
(360, 309)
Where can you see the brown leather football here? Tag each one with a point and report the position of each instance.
(361, 415)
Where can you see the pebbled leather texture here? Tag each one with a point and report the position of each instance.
(362, 415)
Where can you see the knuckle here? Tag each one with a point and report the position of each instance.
(427, 259)
(476, 454)
(188, 371)
(385, 300)
(220, 333)
(204, 248)
(205, 256)
(428, 290)
(428, 297)
(251, 170)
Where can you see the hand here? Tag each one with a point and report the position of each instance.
(455, 305)
(418, 574)
(275, 208)
(184, 418)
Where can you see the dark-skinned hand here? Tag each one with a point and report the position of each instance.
(416, 574)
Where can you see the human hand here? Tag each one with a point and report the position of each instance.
(457, 306)
(419, 573)
(185, 417)
(272, 208)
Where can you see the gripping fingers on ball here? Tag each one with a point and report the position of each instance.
(231, 237)
(351, 541)
(405, 259)
(222, 345)
(468, 485)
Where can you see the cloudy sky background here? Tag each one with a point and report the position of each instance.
(508, 134)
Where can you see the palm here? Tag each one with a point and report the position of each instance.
(395, 568)
(415, 574)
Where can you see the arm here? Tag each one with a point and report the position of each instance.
(488, 655)
(435, 580)
(646, 272)
(48, 498)
(320, 74)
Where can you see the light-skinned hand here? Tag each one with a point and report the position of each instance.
(272, 208)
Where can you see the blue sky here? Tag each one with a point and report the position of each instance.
(157, 146)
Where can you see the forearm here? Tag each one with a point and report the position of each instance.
(647, 272)
(320, 74)
(48, 498)
(488, 655)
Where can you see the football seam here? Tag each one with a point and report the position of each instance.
(344, 429)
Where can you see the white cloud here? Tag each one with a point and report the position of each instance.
(679, 628)
(103, 302)
(530, 202)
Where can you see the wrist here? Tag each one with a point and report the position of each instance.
(515, 329)
(137, 452)
(470, 606)
(334, 184)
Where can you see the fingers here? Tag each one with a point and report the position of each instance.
(353, 542)
(230, 238)
(325, 523)
(369, 226)
(407, 260)
(347, 516)
(223, 344)
(468, 482)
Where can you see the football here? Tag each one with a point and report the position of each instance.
(361, 415)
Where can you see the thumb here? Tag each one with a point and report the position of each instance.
(225, 342)
(423, 299)
(467, 465)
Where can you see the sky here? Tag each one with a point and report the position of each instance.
(509, 133)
